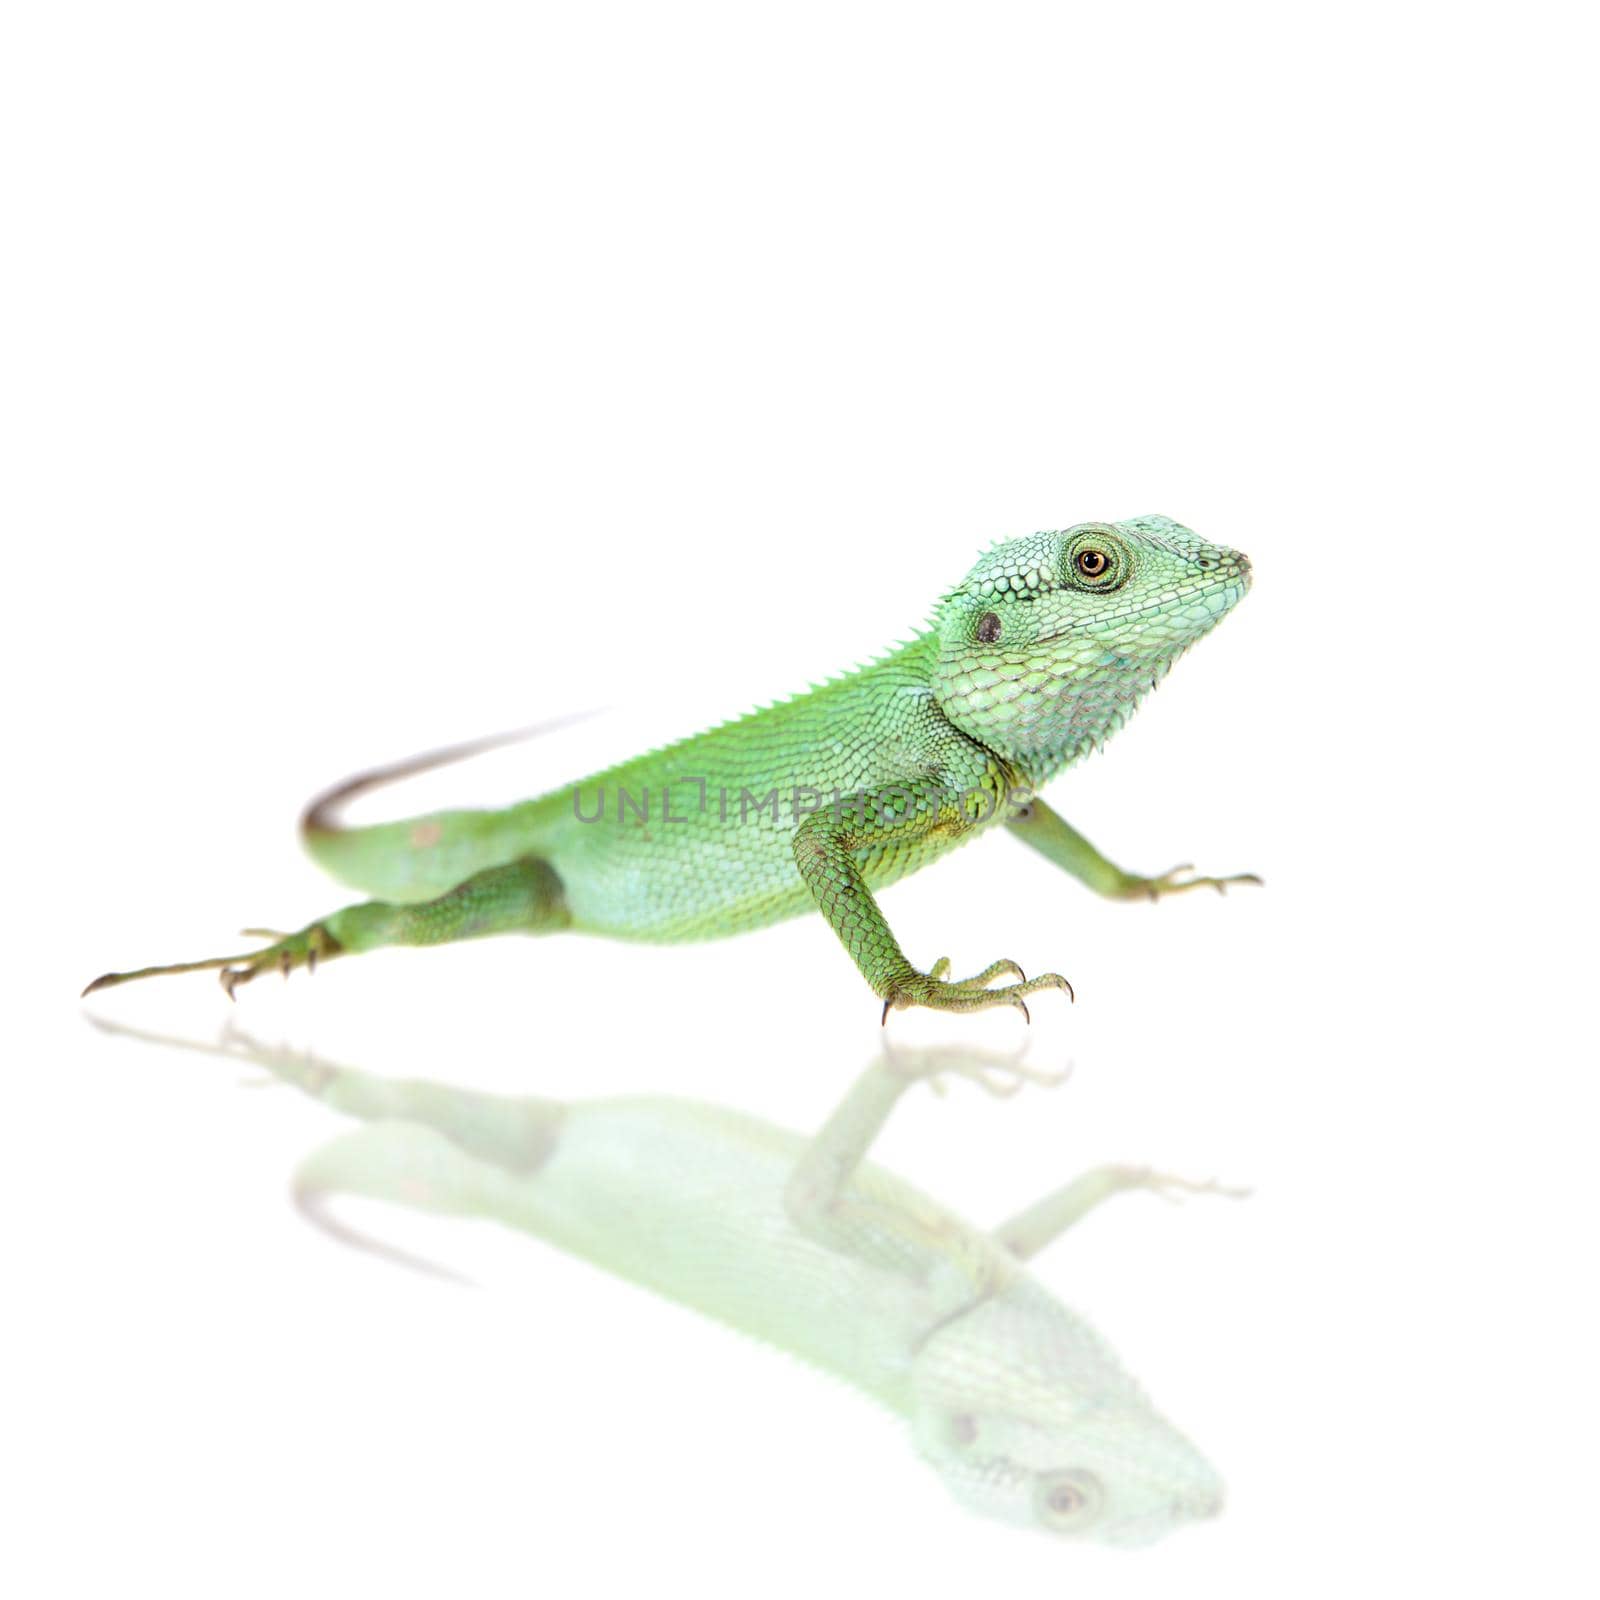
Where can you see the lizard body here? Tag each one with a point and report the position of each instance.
(1037, 657)
(1018, 1403)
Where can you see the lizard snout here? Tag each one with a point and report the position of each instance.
(1198, 1506)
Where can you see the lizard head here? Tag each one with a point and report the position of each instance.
(1048, 643)
(1029, 1417)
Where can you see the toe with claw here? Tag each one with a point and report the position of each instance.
(303, 949)
(999, 1075)
(1178, 880)
(939, 993)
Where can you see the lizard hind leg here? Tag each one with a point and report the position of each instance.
(522, 896)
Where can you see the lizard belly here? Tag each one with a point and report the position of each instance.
(697, 840)
(704, 882)
(688, 1201)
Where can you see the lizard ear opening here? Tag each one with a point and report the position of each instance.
(989, 628)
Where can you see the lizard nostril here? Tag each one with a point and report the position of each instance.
(1198, 1505)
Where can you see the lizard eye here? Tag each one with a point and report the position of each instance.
(1067, 1500)
(1097, 560)
(988, 628)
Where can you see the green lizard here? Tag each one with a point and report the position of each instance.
(1039, 655)
(807, 1244)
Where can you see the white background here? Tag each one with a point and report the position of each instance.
(375, 376)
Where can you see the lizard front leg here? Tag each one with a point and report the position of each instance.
(1042, 1223)
(828, 846)
(837, 1198)
(1058, 841)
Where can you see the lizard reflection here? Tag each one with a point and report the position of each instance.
(1013, 1398)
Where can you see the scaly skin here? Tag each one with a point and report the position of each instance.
(1036, 658)
(1011, 1396)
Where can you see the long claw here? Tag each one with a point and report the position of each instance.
(937, 993)
(1175, 882)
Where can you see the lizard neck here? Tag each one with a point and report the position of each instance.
(1043, 733)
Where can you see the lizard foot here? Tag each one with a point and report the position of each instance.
(303, 949)
(1172, 1188)
(979, 980)
(1001, 1076)
(933, 990)
(1177, 881)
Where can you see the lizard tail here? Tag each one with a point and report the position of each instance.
(419, 857)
